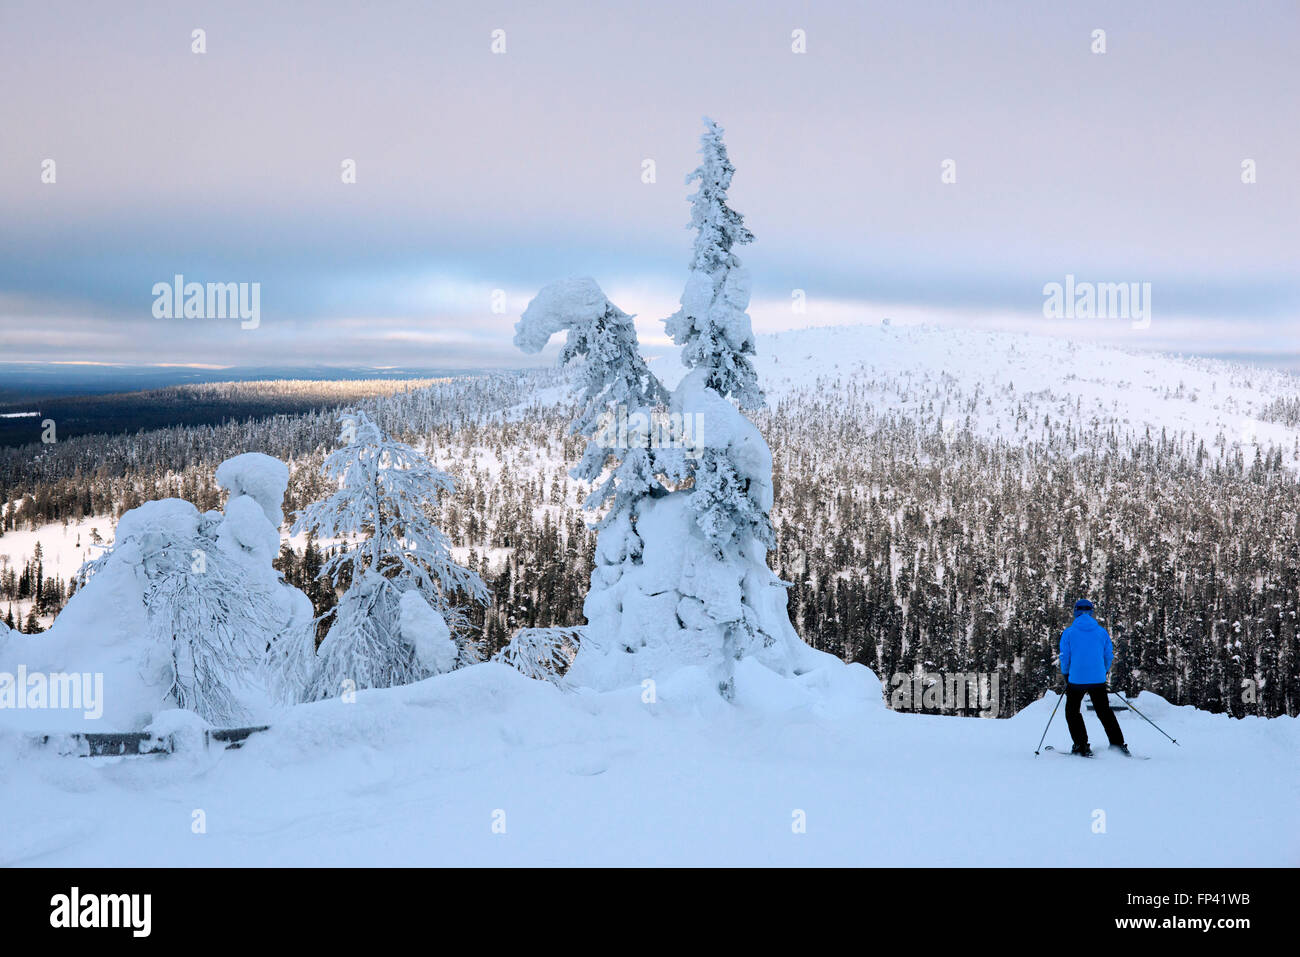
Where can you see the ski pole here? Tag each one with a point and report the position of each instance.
(1049, 724)
(1143, 717)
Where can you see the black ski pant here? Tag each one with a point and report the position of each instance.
(1101, 705)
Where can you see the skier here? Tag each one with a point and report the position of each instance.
(1086, 654)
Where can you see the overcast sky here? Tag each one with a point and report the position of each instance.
(479, 171)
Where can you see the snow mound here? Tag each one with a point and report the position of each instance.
(647, 620)
(185, 728)
(260, 477)
(426, 630)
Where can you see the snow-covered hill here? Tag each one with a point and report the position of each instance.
(951, 373)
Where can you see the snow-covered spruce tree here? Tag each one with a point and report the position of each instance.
(729, 586)
(717, 341)
(684, 581)
(619, 395)
(400, 619)
(712, 326)
(250, 533)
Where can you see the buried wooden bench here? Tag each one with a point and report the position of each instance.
(232, 737)
(106, 744)
(133, 743)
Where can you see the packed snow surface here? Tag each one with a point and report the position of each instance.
(419, 775)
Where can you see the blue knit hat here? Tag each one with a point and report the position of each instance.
(1083, 605)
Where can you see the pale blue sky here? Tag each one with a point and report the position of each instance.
(479, 172)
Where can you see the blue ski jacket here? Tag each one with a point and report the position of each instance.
(1086, 651)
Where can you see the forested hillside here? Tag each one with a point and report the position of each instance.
(914, 535)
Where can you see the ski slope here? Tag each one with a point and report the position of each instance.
(418, 776)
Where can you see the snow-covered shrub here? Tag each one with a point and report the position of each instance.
(378, 638)
(543, 654)
(223, 629)
(212, 620)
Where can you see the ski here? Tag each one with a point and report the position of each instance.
(1068, 754)
(1065, 753)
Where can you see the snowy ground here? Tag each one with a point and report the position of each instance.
(419, 775)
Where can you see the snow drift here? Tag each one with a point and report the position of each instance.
(805, 771)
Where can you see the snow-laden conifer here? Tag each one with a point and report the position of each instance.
(384, 491)
(680, 575)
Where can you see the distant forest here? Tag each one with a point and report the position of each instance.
(192, 404)
(909, 541)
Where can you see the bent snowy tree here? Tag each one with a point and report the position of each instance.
(617, 387)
